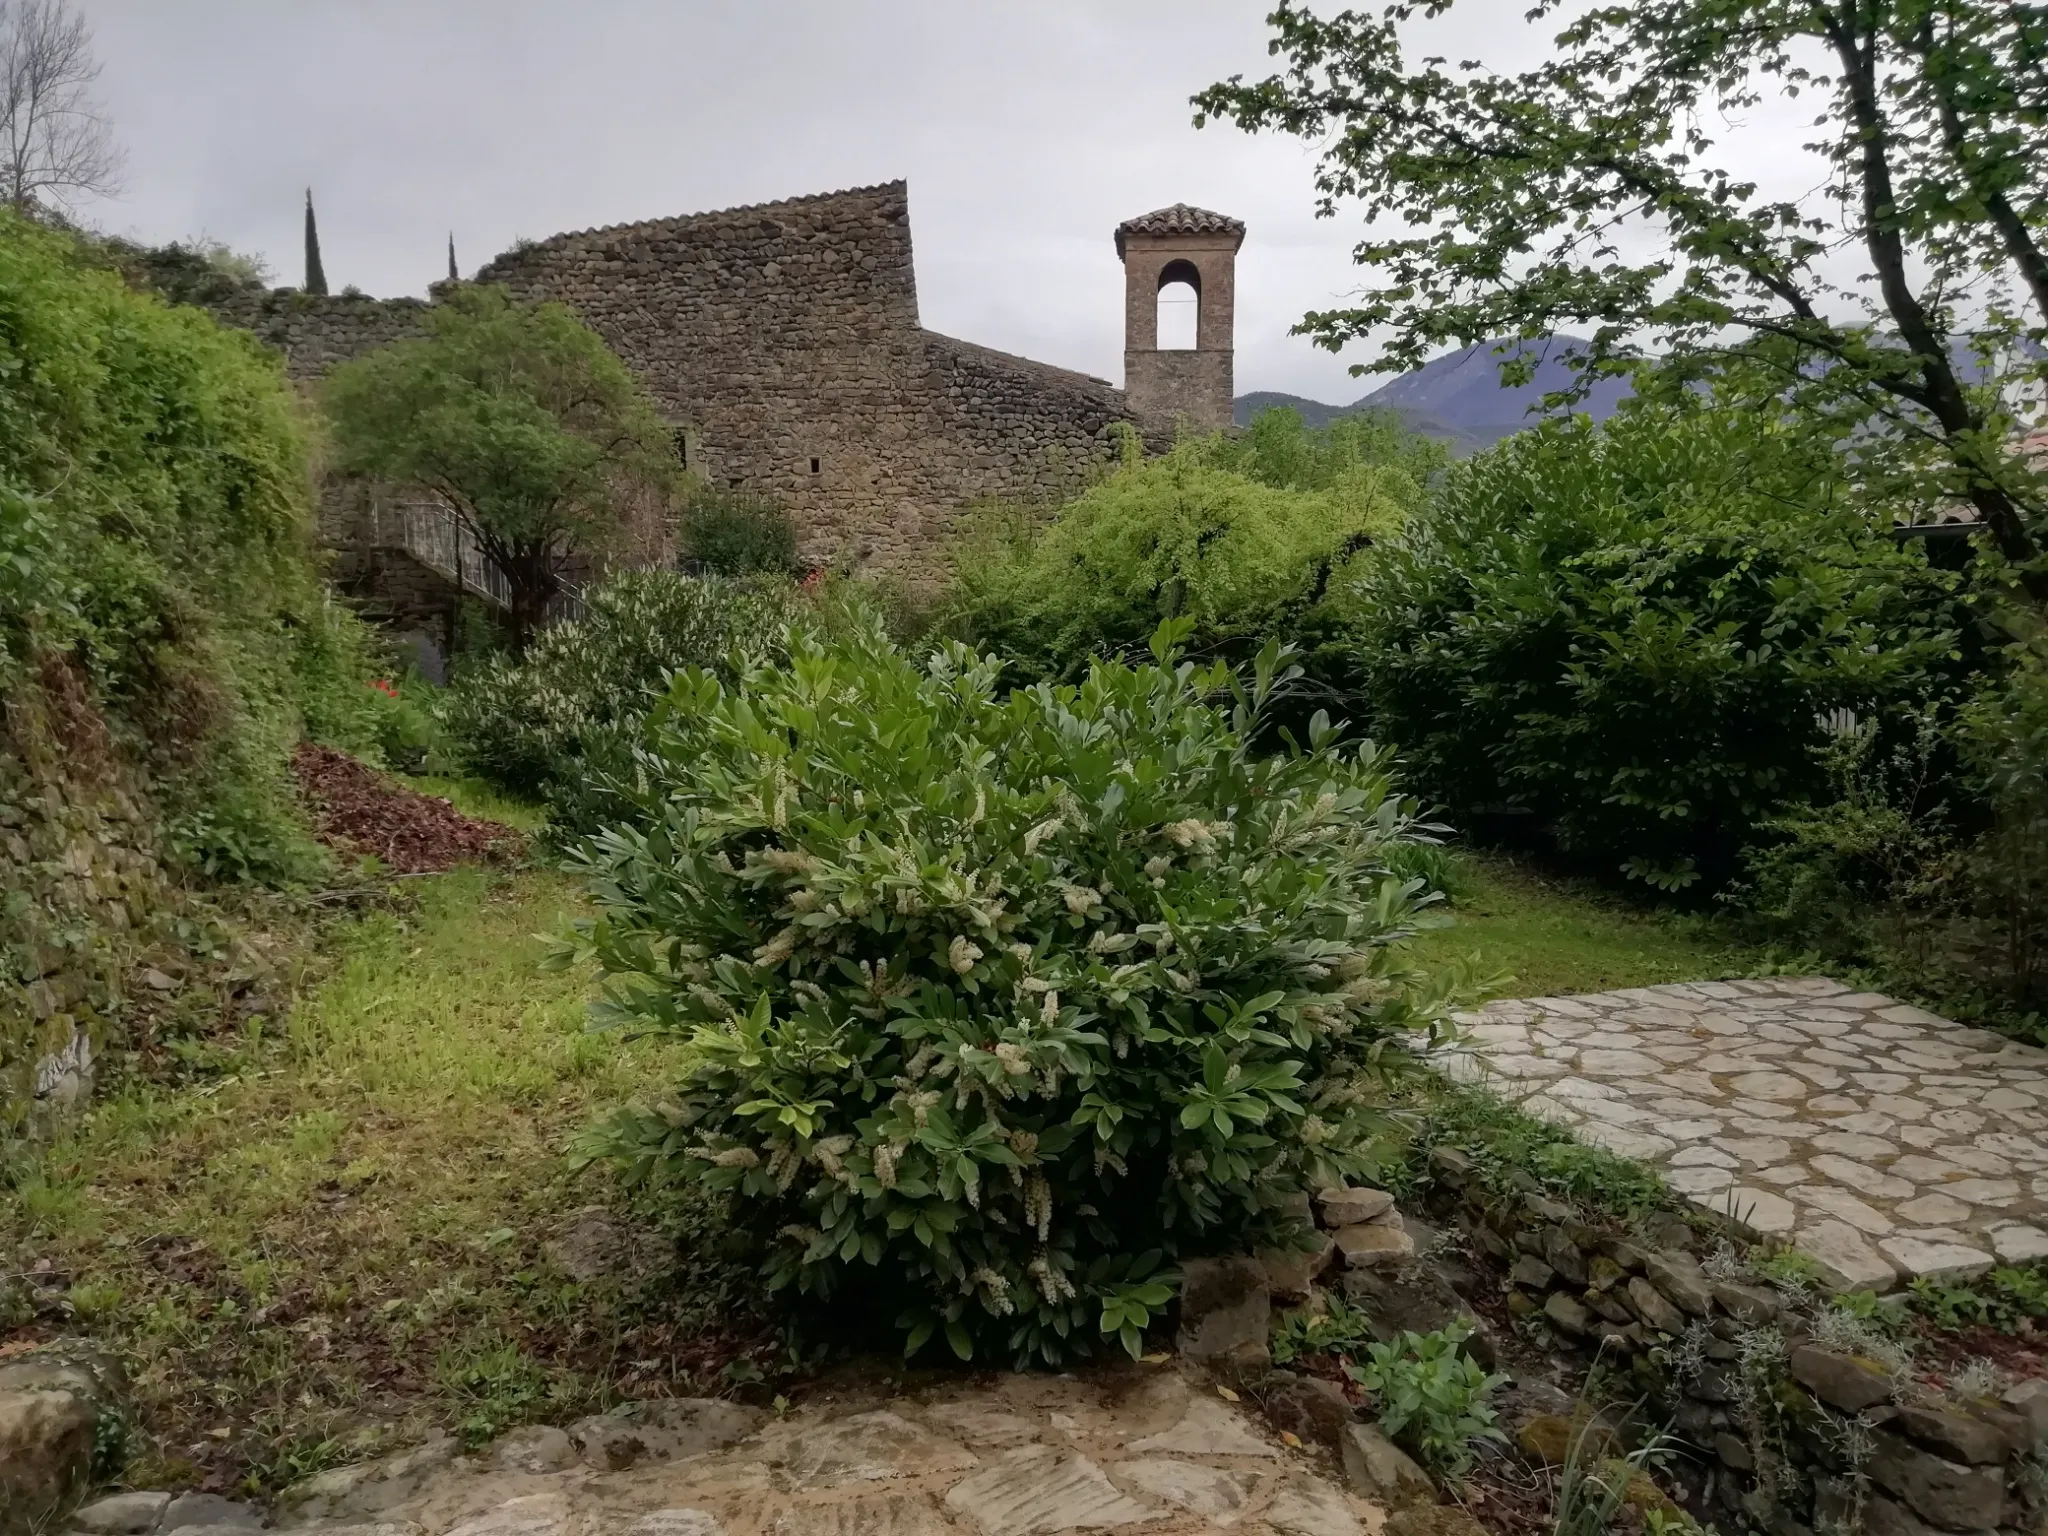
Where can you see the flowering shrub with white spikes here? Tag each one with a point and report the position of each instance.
(1000, 1003)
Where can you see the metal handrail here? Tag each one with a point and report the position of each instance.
(432, 534)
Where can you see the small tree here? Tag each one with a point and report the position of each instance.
(520, 418)
(1891, 305)
(316, 270)
(55, 147)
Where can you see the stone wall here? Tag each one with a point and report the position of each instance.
(315, 332)
(783, 341)
(1792, 1432)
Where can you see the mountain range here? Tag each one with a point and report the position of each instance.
(1459, 397)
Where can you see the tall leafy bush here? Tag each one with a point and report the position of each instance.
(1248, 538)
(999, 1002)
(1635, 632)
(560, 723)
(2005, 875)
(736, 533)
(155, 540)
(163, 640)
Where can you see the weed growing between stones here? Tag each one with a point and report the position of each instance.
(1594, 1487)
(1432, 1396)
(1513, 1153)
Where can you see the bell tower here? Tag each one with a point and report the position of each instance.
(1159, 249)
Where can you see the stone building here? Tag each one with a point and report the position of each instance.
(782, 342)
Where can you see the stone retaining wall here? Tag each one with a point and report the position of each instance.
(1796, 1437)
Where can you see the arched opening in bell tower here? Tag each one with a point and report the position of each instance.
(1180, 306)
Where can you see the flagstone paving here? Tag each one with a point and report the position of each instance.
(1883, 1141)
(1138, 1448)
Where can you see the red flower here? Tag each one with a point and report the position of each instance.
(812, 580)
(385, 687)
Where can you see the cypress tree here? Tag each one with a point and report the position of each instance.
(453, 275)
(316, 275)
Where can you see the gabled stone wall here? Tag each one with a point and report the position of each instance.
(784, 341)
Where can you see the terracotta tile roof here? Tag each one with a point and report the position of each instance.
(1179, 219)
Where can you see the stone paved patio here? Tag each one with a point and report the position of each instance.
(1879, 1139)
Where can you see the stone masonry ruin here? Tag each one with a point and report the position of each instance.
(782, 343)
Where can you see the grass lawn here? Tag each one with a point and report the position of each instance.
(1555, 936)
(340, 1234)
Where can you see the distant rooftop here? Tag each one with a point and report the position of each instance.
(1178, 219)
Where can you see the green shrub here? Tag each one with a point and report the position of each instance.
(737, 533)
(1636, 630)
(1432, 1396)
(157, 588)
(352, 694)
(1250, 546)
(560, 724)
(1928, 860)
(1001, 1003)
(155, 535)
(2004, 740)
(1362, 459)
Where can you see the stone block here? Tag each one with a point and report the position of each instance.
(1530, 1271)
(46, 1439)
(122, 1514)
(1746, 1303)
(209, 1511)
(1888, 1517)
(1603, 1274)
(1351, 1207)
(1035, 1489)
(1846, 1259)
(1433, 1520)
(1608, 1306)
(1547, 1438)
(1404, 1296)
(1307, 1407)
(1569, 1314)
(1651, 1305)
(609, 1443)
(1734, 1453)
(1308, 1506)
(1626, 1254)
(2030, 1400)
(1290, 1272)
(1847, 1382)
(1677, 1274)
(1379, 1469)
(535, 1448)
(1362, 1246)
(1939, 1491)
(1957, 1436)
(1450, 1165)
(1565, 1256)
(1224, 1310)
(691, 1426)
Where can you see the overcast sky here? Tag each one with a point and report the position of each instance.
(1026, 128)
